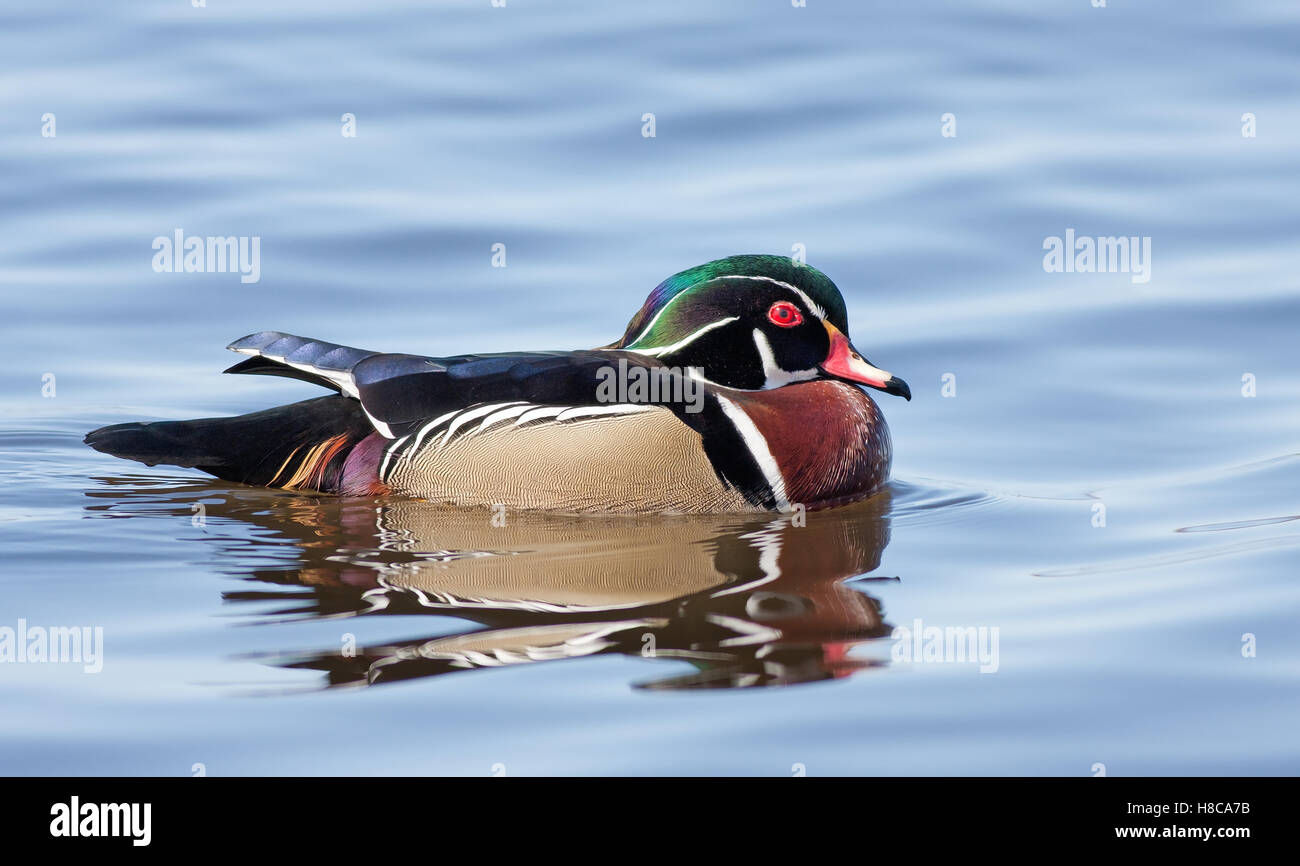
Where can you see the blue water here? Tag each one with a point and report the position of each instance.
(775, 127)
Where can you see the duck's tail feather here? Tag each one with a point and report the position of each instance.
(267, 367)
(301, 446)
(275, 353)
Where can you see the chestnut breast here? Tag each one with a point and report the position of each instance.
(828, 438)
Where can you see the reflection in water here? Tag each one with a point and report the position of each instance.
(745, 600)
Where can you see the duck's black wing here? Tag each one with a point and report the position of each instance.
(401, 393)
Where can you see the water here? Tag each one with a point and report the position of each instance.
(522, 650)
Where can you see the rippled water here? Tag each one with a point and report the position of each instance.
(264, 637)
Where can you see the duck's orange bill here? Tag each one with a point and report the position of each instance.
(844, 362)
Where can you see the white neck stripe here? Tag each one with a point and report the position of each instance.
(757, 446)
(812, 305)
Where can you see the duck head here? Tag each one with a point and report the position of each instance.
(753, 322)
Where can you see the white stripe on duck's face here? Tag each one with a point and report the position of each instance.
(753, 335)
(657, 351)
(777, 375)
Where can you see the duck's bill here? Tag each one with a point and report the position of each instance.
(845, 362)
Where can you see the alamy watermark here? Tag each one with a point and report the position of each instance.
(633, 383)
(1105, 255)
(26, 644)
(949, 645)
(208, 255)
(75, 818)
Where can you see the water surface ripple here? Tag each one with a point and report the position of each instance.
(1098, 489)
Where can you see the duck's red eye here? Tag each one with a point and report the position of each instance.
(785, 314)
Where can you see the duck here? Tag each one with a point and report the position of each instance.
(734, 388)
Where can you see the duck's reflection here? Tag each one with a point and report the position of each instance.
(746, 601)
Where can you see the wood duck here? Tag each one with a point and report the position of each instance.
(734, 388)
